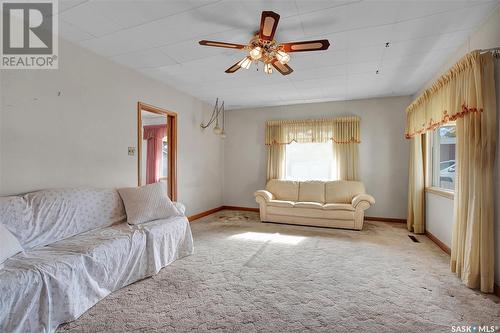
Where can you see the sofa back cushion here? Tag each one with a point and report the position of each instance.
(312, 190)
(342, 191)
(283, 189)
(43, 217)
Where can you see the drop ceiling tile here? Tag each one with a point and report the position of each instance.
(308, 6)
(317, 60)
(65, 5)
(87, 18)
(254, 8)
(191, 50)
(144, 58)
(374, 36)
(317, 73)
(365, 54)
(355, 16)
(442, 23)
(407, 10)
(133, 13)
(69, 31)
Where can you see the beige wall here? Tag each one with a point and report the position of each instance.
(440, 214)
(383, 151)
(80, 136)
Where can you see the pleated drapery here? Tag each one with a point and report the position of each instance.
(466, 93)
(343, 132)
(154, 135)
(416, 185)
(472, 247)
(340, 130)
(452, 96)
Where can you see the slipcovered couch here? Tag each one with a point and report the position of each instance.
(78, 248)
(335, 204)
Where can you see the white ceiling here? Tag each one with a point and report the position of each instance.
(160, 39)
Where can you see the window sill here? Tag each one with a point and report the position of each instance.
(441, 192)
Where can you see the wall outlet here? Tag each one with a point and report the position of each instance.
(131, 151)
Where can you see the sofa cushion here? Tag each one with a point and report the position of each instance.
(43, 217)
(281, 203)
(334, 206)
(312, 191)
(147, 203)
(342, 191)
(308, 204)
(308, 212)
(283, 189)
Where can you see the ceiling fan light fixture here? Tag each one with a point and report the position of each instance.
(217, 130)
(282, 57)
(256, 53)
(268, 69)
(245, 63)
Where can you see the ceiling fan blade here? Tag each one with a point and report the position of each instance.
(221, 44)
(268, 25)
(311, 45)
(282, 68)
(233, 68)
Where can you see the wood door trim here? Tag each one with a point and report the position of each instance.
(172, 137)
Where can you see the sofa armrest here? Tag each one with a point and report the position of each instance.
(180, 207)
(266, 195)
(363, 201)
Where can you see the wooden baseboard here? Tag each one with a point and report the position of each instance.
(205, 213)
(384, 219)
(447, 250)
(246, 209)
(438, 242)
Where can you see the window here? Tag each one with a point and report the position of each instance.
(443, 143)
(164, 159)
(309, 161)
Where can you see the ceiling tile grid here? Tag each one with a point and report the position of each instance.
(160, 39)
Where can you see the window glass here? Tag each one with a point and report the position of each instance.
(443, 157)
(164, 159)
(309, 161)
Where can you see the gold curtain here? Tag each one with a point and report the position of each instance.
(344, 133)
(452, 96)
(416, 184)
(472, 247)
(276, 161)
(340, 130)
(466, 93)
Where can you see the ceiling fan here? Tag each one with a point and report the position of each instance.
(262, 47)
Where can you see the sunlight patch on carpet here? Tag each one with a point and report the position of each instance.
(267, 237)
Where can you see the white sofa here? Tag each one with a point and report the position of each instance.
(78, 248)
(334, 204)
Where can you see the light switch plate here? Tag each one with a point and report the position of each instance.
(131, 151)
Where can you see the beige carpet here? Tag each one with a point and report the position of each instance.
(247, 276)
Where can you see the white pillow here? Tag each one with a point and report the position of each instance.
(9, 245)
(147, 203)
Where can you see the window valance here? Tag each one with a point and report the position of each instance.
(340, 130)
(453, 95)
